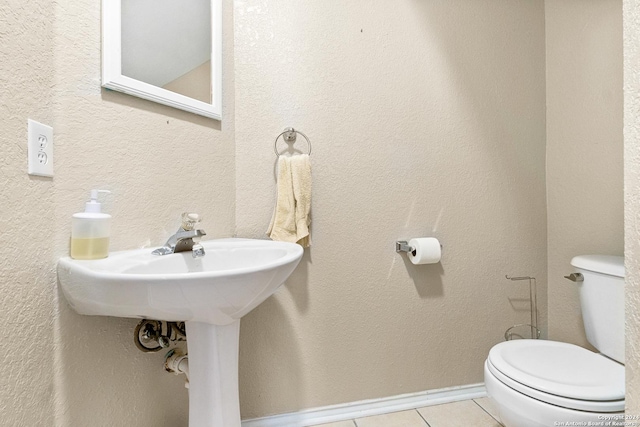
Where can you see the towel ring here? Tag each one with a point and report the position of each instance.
(289, 136)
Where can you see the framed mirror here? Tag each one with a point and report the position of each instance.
(165, 51)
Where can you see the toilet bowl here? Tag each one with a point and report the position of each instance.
(535, 383)
(538, 383)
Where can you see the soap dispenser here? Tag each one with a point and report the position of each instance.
(90, 230)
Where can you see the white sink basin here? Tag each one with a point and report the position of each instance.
(232, 278)
(210, 294)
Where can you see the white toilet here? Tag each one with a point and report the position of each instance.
(536, 383)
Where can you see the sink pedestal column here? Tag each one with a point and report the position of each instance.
(214, 399)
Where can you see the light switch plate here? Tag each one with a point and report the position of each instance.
(40, 148)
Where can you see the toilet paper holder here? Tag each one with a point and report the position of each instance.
(534, 331)
(403, 246)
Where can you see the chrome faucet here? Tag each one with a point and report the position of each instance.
(182, 240)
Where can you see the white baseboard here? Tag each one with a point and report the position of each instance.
(366, 408)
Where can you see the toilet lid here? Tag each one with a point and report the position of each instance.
(559, 368)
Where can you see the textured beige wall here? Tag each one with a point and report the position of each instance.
(157, 161)
(584, 147)
(26, 254)
(426, 118)
(632, 199)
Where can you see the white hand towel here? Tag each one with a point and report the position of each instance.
(290, 221)
(301, 178)
(283, 221)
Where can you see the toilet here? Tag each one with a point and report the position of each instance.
(539, 383)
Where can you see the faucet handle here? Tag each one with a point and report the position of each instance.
(189, 220)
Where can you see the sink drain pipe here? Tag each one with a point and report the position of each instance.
(178, 363)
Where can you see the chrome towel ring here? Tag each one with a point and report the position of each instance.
(290, 135)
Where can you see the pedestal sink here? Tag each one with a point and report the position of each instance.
(210, 294)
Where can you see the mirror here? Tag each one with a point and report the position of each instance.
(165, 51)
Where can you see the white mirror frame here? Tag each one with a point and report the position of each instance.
(112, 77)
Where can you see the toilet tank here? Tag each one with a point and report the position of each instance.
(602, 302)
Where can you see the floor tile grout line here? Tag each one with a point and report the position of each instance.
(487, 412)
(423, 419)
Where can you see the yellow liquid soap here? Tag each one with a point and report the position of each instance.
(90, 248)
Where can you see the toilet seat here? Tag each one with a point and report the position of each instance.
(560, 374)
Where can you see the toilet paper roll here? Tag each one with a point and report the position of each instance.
(426, 250)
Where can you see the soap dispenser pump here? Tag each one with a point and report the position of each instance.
(90, 230)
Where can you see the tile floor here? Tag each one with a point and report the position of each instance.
(466, 413)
